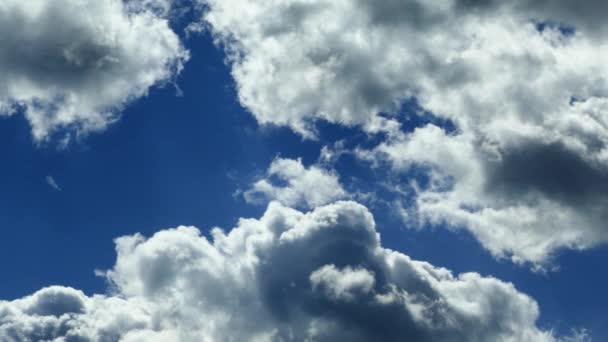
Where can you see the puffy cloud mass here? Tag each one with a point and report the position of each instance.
(291, 183)
(73, 64)
(523, 82)
(289, 276)
(521, 202)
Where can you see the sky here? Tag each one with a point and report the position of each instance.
(288, 170)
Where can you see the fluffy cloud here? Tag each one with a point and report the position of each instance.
(524, 83)
(60, 314)
(289, 276)
(74, 64)
(291, 183)
(522, 202)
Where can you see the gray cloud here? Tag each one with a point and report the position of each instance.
(552, 170)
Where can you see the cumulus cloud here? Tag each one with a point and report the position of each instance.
(523, 82)
(64, 314)
(522, 202)
(72, 65)
(288, 276)
(291, 183)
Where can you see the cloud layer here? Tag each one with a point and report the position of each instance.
(289, 276)
(524, 83)
(73, 64)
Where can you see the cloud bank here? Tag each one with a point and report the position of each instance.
(523, 82)
(72, 65)
(288, 276)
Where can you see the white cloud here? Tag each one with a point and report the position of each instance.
(74, 64)
(522, 204)
(289, 276)
(339, 285)
(64, 314)
(291, 183)
(524, 83)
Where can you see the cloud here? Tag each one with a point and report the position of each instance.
(523, 82)
(288, 276)
(64, 314)
(522, 202)
(72, 65)
(50, 181)
(291, 183)
(346, 61)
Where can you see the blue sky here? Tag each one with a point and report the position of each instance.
(184, 153)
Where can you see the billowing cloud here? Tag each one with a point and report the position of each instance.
(291, 183)
(523, 82)
(288, 276)
(64, 314)
(347, 60)
(522, 202)
(74, 64)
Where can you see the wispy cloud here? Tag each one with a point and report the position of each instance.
(52, 183)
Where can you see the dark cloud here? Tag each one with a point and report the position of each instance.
(552, 170)
(587, 17)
